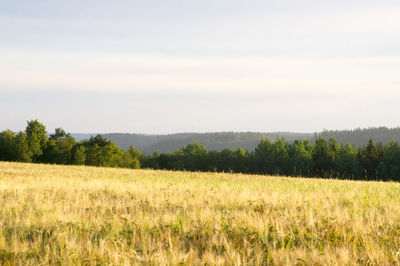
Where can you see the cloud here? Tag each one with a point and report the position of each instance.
(135, 73)
(229, 65)
(261, 29)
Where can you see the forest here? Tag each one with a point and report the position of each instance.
(216, 141)
(324, 157)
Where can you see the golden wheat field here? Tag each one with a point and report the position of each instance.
(68, 215)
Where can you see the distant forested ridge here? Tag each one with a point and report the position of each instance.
(359, 136)
(325, 158)
(245, 140)
(212, 141)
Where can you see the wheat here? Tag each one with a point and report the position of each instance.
(86, 215)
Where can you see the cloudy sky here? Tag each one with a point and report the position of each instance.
(165, 66)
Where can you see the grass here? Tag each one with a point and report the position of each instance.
(84, 215)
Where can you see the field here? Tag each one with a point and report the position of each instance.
(87, 215)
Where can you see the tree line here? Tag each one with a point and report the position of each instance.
(216, 141)
(323, 158)
(33, 145)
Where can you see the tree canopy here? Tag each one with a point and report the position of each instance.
(324, 158)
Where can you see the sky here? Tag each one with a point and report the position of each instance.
(168, 66)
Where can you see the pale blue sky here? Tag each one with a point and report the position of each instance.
(180, 66)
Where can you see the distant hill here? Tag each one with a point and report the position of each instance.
(359, 137)
(82, 136)
(245, 140)
(212, 141)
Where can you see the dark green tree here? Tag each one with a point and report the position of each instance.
(263, 155)
(7, 140)
(171, 161)
(300, 162)
(59, 148)
(195, 157)
(280, 157)
(347, 164)
(369, 159)
(36, 138)
(241, 160)
(333, 147)
(321, 158)
(231, 160)
(78, 154)
(389, 165)
(102, 152)
(131, 158)
(22, 153)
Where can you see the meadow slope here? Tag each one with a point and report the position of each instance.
(87, 215)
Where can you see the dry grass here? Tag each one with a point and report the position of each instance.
(85, 215)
